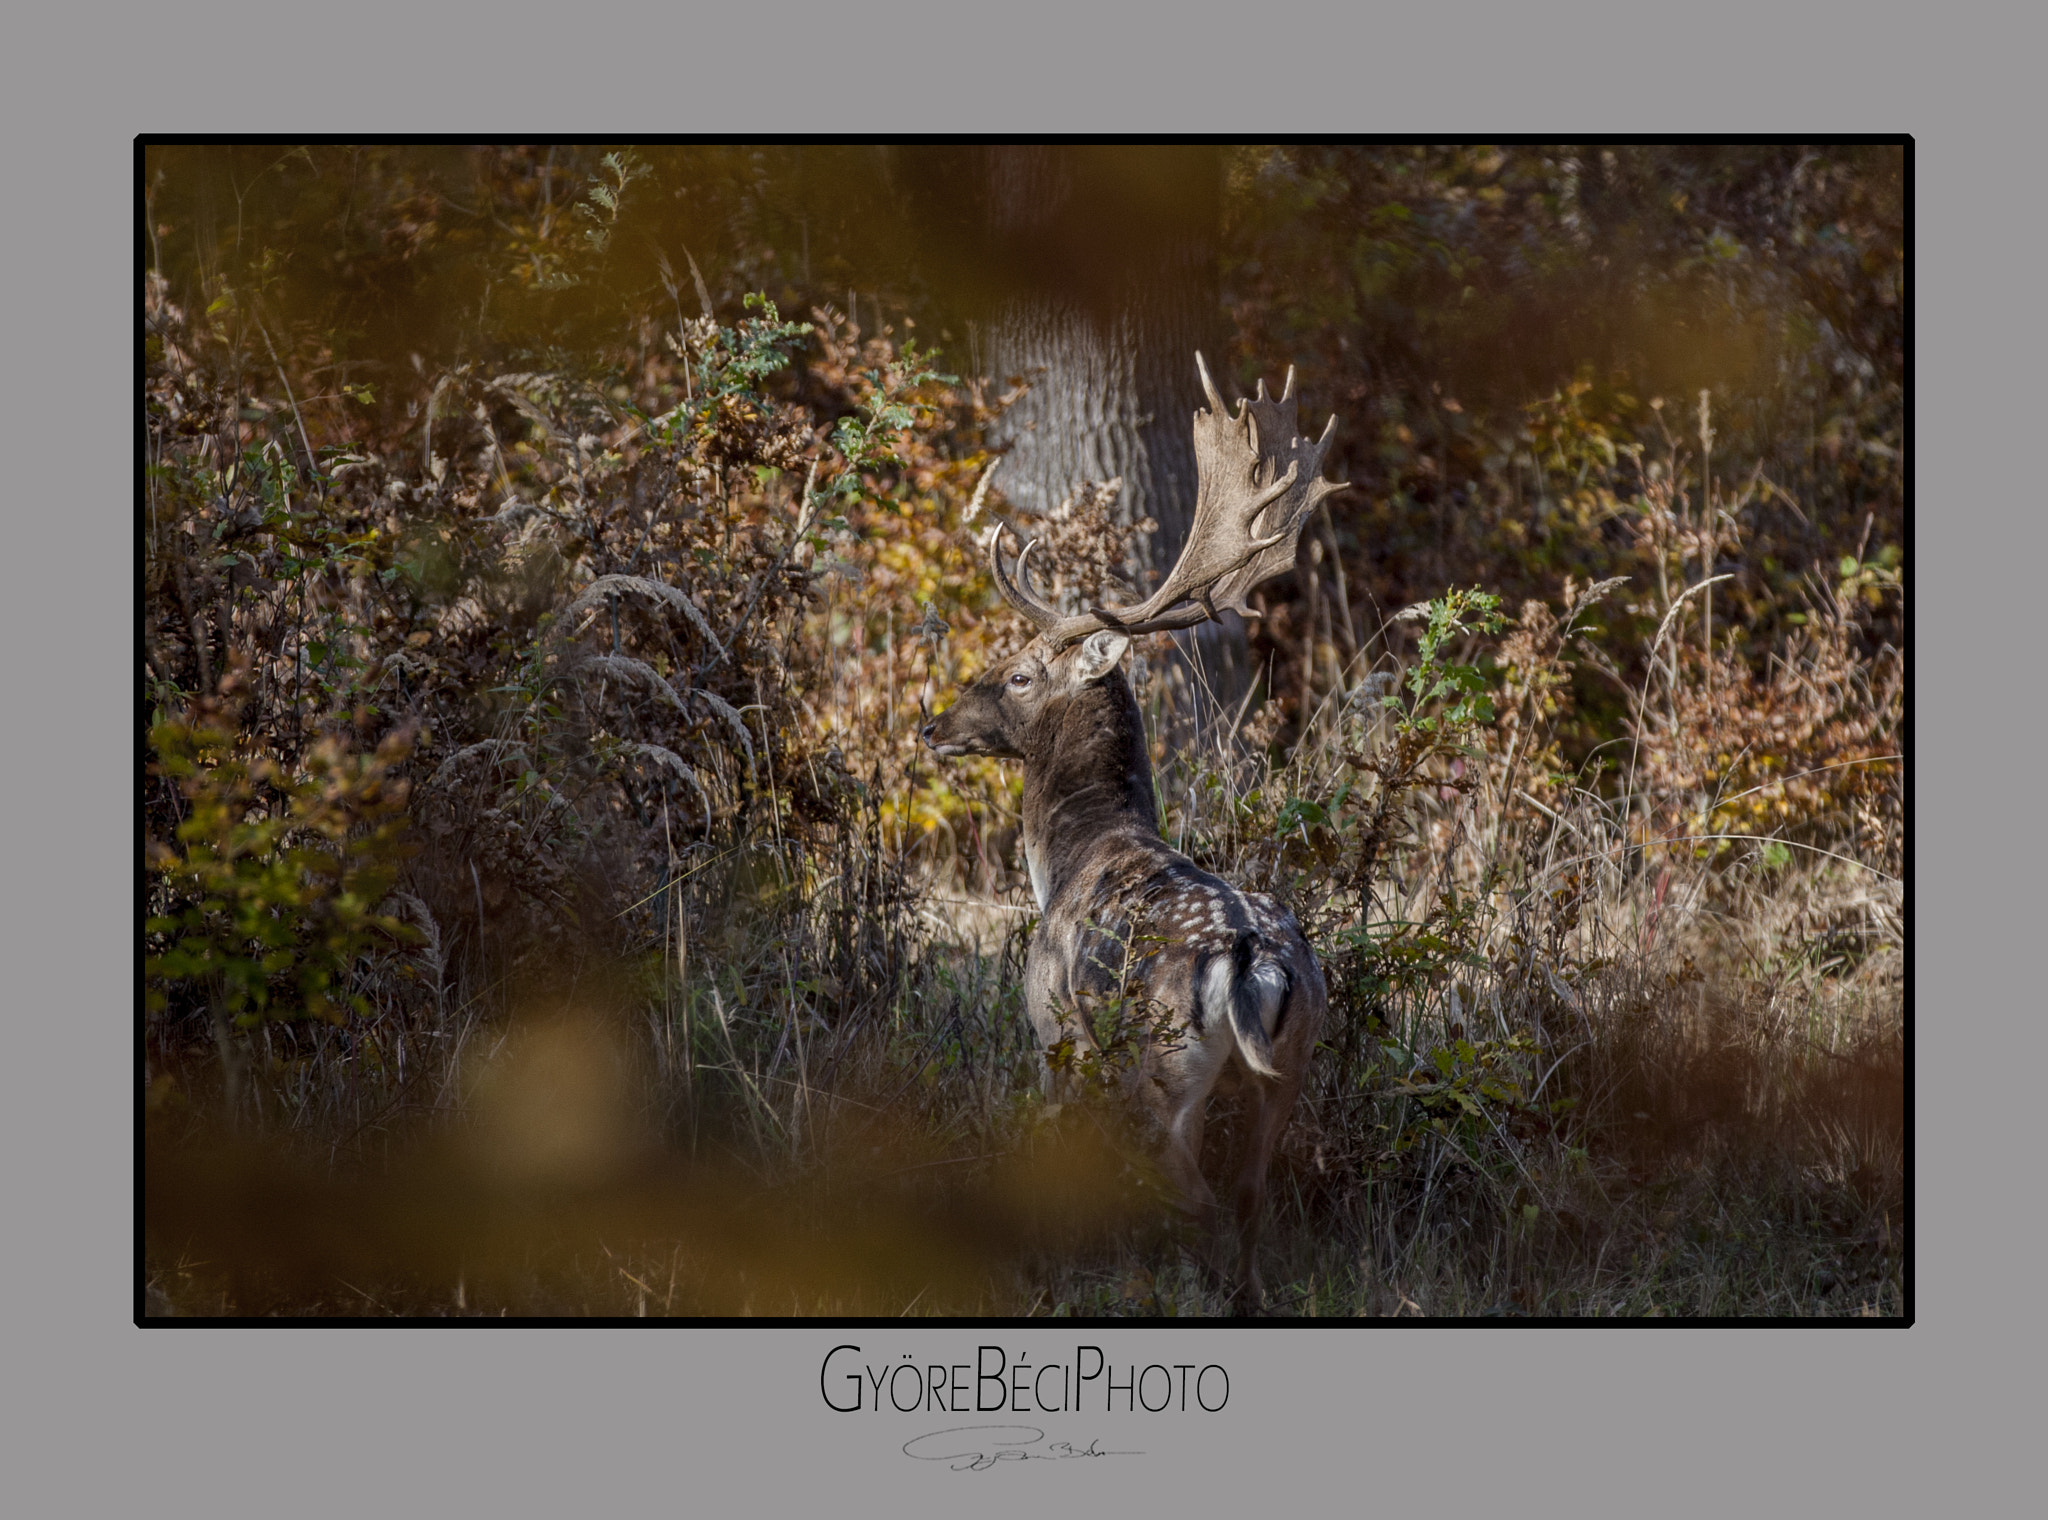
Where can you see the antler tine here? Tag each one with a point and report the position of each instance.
(1208, 385)
(1018, 592)
(1248, 513)
(1024, 574)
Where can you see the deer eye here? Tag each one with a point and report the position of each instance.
(1020, 680)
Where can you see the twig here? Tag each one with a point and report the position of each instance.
(312, 464)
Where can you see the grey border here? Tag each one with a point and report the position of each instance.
(542, 1421)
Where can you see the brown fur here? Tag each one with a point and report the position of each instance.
(1123, 910)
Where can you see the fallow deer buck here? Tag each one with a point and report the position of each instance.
(1239, 997)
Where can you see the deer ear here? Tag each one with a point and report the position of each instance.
(1099, 654)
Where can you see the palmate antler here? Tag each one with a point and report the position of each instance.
(1257, 481)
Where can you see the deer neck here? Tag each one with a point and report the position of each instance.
(1086, 778)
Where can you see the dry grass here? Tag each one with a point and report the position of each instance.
(816, 1093)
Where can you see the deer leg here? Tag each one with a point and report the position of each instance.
(1271, 1104)
(1178, 1086)
(1182, 1157)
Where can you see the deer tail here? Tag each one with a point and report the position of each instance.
(1257, 990)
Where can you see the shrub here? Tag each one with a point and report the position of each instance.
(268, 894)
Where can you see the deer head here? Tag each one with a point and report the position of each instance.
(998, 714)
(1257, 480)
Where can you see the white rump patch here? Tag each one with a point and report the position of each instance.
(1216, 993)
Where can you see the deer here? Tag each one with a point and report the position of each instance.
(1237, 997)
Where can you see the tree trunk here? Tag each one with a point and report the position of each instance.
(1090, 272)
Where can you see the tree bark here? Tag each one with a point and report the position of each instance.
(1090, 273)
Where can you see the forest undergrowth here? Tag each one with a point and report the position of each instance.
(549, 909)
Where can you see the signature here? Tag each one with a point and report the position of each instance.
(971, 1448)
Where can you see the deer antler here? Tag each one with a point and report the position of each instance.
(1017, 592)
(1257, 480)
